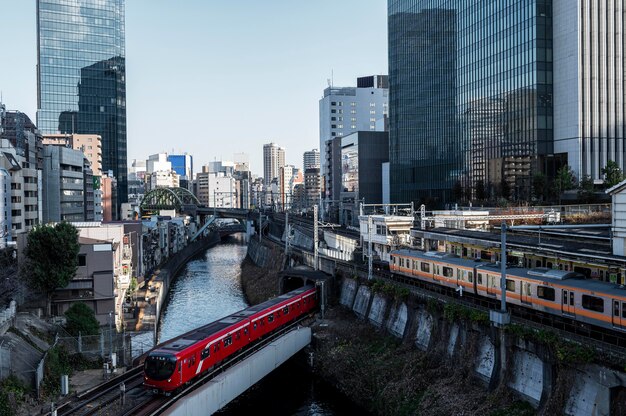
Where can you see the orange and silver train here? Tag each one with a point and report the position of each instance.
(557, 292)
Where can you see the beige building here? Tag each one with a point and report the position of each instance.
(89, 144)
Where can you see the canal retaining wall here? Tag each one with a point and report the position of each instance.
(532, 368)
(160, 282)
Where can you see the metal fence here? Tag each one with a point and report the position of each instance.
(7, 316)
(102, 345)
(5, 361)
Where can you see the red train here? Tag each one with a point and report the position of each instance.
(176, 362)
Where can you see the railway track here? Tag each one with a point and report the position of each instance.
(106, 398)
(93, 400)
(612, 342)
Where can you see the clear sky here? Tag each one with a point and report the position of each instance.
(212, 78)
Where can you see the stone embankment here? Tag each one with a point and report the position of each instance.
(397, 353)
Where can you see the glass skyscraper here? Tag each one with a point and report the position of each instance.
(81, 75)
(470, 86)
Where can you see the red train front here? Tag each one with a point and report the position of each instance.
(180, 360)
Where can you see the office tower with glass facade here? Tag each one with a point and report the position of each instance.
(471, 97)
(81, 76)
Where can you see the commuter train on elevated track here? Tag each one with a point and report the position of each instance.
(557, 292)
(177, 362)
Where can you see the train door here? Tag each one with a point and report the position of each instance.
(491, 284)
(525, 292)
(619, 314)
(567, 302)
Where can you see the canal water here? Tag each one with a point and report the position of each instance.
(210, 288)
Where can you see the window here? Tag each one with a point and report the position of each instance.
(228, 340)
(82, 259)
(510, 285)
(285, 310)
(448, 271)
(480, 279)
(333, 103)
(593, 303)
(471, 277)
(270, 317)
(544, 292)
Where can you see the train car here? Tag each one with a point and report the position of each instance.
(563, 293)
(175, 363)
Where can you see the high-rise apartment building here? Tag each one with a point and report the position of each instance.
(311, 159)
(81, 75)
(345, 110)
(273, 160)
(496, 92)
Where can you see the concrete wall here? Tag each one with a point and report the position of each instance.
(226, 386)
(528, 366)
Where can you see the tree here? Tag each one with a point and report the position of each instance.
(564, 180)
(51, 257)
(539, 186)
(81, 318)
(481, 193)
(457, 191)
(585, 190)
(612, 174)
(505, 189)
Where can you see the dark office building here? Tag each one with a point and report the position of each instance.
(81, 75)
(470, 86)
(362, 156)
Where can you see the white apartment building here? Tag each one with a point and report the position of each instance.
(345, 110)
(159, 172)
(273, 160)
(311, 159)
(215, 189)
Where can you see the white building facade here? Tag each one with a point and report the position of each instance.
(589, 84)
(345, 110)
(273, 160)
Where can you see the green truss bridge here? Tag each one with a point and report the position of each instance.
(184, 202)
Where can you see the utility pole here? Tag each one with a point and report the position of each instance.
(315, 238)
(286, 233)
(111, 334)
(369, 247)
(503, 266)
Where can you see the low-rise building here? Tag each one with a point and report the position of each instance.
(388, 232)
(93, 283)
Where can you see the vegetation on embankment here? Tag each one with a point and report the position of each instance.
(388, 377)
(260, 284)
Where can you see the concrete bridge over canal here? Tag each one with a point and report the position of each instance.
(225, 387)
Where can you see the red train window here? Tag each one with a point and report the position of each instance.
(270, 317)
(286, 310)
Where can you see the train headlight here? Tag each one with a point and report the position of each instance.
(169, 380)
